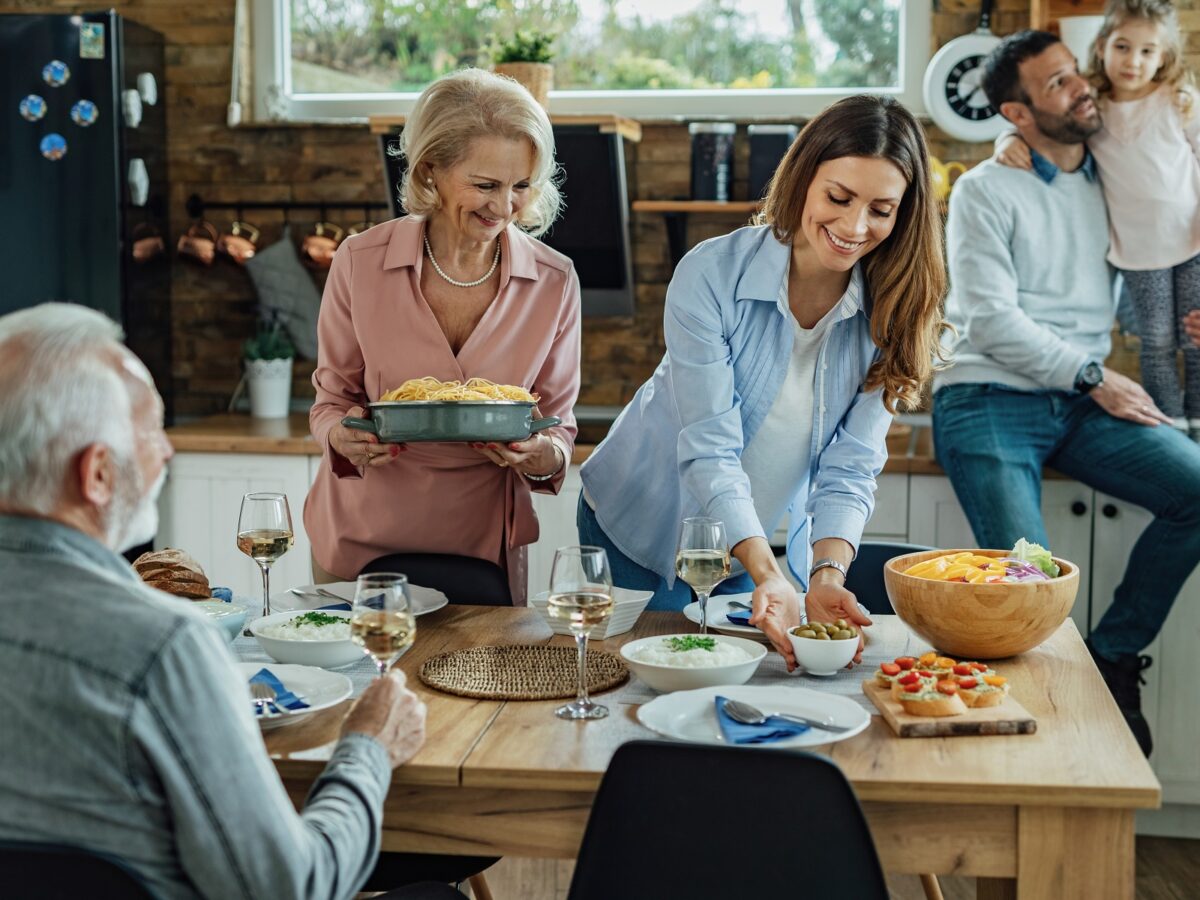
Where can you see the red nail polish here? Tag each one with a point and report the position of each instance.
(403, 448)
(394, 450)
(493, 447)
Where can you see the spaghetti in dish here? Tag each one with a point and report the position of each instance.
(430, 388)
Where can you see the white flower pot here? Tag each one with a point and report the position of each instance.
(270, 385)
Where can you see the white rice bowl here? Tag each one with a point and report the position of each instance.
(733, 660)
(327, 646)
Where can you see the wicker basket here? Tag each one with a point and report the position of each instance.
(537, 78)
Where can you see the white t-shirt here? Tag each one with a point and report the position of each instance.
(776, 459)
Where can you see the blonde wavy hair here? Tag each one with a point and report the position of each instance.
(1172, 72)
(906, 274)
(466, 105)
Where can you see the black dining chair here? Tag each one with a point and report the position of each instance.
(463, 579)
(61, 872)
(675, 820)
(865, 577)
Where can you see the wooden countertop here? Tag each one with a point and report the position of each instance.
(234, 433)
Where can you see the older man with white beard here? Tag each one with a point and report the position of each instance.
(125, 726)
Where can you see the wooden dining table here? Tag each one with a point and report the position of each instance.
(1043, 815)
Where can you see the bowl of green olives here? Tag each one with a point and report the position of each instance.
(823, 648)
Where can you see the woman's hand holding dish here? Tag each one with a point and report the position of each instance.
(361, 447)
(776, 609)
(538, 456)
(828, 601)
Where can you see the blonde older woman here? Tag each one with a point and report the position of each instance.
(458, 288)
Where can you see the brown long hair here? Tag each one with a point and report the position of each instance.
(906, 274)
(1172, 72)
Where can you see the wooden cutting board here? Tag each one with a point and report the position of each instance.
(1010, 717)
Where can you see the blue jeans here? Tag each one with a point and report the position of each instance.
(628, 574)
(993, 442)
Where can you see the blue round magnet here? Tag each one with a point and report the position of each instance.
(32, 108)
(54, 146)
(84, 113)
(56, 73)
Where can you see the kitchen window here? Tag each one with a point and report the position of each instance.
(348, 59)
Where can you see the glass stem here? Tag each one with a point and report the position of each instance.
(382, 665)
(581, 696)
(703, 612)
(266, 574)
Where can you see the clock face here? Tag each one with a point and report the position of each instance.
(964, 90)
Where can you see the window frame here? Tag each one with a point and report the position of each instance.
(274, 101)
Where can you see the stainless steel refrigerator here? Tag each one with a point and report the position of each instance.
(83, 173)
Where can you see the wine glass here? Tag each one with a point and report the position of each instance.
(581, 593)
(265, 534)
(702, 559)
(381, 621)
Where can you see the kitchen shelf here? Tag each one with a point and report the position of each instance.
(675, 213)
(627, 128)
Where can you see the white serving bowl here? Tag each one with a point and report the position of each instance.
(627, 606)
(823, 657)
(665, 679)
(229, 616)
(326, 654)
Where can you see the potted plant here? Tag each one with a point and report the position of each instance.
(525, 57)
(268, 358)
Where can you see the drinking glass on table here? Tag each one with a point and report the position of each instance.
(581, 594)
(381, 618)
(702, 559)
(265, 534)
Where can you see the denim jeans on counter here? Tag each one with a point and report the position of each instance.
(993, 441)
(628, 574)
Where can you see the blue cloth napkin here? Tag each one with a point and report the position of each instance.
(222, 593)
(739, 617)
(774, 729)
(342, 606)
(283, 697)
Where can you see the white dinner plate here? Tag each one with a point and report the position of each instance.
(424, 600)
(319, 688)
(718, 608)
(692, 715)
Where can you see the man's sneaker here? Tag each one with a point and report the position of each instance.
(1124, 680)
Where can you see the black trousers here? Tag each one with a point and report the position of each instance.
(397, 870)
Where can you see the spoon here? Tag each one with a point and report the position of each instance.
(751, 715)
(738, 604)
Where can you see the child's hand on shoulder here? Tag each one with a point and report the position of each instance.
(1013, 152)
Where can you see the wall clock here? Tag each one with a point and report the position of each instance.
(953, 88)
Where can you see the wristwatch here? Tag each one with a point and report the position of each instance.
(826, 562)
(1090, 377)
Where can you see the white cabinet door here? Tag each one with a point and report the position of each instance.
(556, 524)
(199, 514)
(937, 520)
(1171, 695)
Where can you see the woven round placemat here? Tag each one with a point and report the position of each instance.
(520, 672)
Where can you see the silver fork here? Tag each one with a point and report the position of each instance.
(318, 594)
(751, 715)
(264, 697)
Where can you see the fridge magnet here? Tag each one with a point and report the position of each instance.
(91, 40)
(54, 146)
(32, 108)
(56, 73)
(84, 113)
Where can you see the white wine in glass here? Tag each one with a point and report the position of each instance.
(265, 534)
(581, 594)
(381, 620)
(702, 559)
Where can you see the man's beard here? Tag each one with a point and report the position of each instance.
(133, 516)
(1066, 129)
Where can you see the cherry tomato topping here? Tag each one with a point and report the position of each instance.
(905, 662)
(910, 678)
(967, 683)
(912, 688)
(979, 667)
(944, 662)
(947, 687)
(995, 680)
(924, 673)
(927, 659)
(890, 669)
(963, 669)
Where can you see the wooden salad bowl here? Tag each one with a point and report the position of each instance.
(980, 621)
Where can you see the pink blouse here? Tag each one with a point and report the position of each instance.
(376, 331)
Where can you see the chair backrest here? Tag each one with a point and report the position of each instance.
(463, 579)
(676, 820)
(60, 872)
(865, 578)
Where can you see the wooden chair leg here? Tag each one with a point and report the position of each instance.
(481, 891)
(933, 890)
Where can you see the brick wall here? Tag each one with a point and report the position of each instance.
(213, 308)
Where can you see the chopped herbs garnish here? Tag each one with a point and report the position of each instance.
(316, 618)
(683, 644)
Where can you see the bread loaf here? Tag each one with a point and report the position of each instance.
(175, 572)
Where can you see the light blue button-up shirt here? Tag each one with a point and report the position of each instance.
(676, 449)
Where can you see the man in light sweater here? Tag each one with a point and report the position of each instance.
(1032, 299)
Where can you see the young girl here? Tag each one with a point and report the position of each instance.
(1148, 158)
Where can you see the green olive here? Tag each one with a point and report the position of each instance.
(818, 627)
(807, 633)
(844, 635)
(823, 637)
(840, 623)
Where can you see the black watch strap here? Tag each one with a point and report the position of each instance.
(1090, 377)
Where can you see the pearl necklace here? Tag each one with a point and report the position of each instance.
(463, 284)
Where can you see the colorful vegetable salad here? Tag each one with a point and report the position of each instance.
(1026, 562)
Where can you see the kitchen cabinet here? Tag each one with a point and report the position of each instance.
(198, 512)
(556, 528)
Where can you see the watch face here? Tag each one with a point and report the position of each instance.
(964, 90)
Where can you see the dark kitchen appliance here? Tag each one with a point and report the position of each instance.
(593, 229)
(83, 174)
(768, 144)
